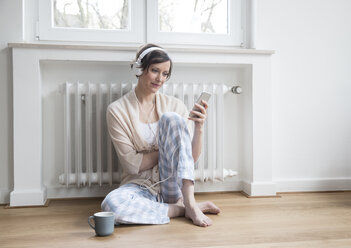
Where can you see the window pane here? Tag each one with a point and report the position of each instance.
(193, 16)
(92, 14)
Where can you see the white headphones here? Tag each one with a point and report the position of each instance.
(136, 67)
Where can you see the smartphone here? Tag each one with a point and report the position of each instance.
(204, 96)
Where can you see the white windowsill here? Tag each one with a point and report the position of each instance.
(197, 49)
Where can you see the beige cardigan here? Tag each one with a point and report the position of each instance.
(122, 121)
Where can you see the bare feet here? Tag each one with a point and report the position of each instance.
(208, 208)
(193, 210)
(196, 215)
(178, 209)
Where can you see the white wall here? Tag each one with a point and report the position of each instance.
(311, 86)
(311, 83)
(10, 31)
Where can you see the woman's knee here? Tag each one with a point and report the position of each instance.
(170, 118)
(114, 199)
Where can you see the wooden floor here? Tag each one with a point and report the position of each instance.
(294, 220)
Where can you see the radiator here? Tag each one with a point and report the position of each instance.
(89, 155)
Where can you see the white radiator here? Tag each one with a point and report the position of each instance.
(88, 151)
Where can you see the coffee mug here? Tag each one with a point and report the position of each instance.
(104, 223)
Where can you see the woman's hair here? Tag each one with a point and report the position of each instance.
(153, 57)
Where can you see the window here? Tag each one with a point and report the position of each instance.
(209, 16)
(204, 22)
(91, 20)
(105, 14)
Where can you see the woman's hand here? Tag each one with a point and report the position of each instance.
(200, 115)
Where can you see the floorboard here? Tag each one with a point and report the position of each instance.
(293, 220)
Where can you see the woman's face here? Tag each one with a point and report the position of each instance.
(152, 79)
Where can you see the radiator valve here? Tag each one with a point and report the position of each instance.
(236, 89)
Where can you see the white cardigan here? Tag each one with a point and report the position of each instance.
(122, 121)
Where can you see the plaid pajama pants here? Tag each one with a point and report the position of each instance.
(133, 204)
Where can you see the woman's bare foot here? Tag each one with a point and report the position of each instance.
(192, 209)
(196, 215)
(176, 209)
(208, 207)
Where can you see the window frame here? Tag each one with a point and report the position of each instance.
(144, 28)
(135, 34)
(233, 38)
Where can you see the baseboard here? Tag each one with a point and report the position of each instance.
(251, 190)
(263, 196)
(58, 192)
(312, 184)
(46, 204)
(4, 196)
(28, 197)
(258, 189)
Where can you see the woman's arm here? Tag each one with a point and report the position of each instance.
(150, 159)
(199, 126)
(197, 144)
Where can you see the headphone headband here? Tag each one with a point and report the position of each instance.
(146, 51)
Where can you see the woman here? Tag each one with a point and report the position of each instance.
(150, 133)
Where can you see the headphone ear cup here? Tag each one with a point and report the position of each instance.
(136, 69)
